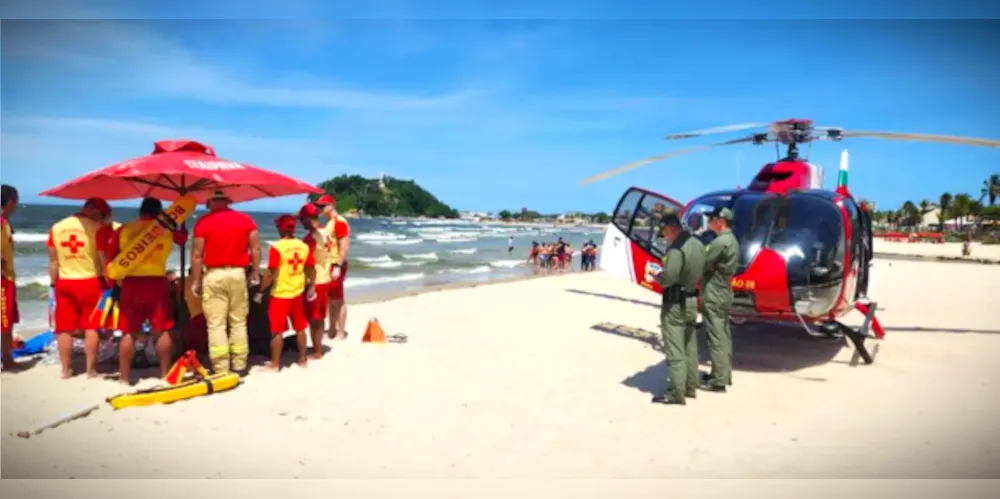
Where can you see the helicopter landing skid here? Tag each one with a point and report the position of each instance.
(836, 330)
(857, 336)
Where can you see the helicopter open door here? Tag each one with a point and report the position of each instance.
(868, 252)
(632, 242)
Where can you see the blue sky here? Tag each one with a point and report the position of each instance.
(499, 113)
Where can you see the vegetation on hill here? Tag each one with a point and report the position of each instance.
(386, 197)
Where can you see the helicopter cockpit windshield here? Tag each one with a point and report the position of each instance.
(806, 229)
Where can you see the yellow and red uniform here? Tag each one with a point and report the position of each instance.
(287, 260)
(335, 230)
(145, 292)
(77, 239)
(8, 284)
(319, 243)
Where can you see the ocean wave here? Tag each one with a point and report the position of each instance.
(464, 251)
(404, 242)
(506, 264)
(380, 236)
(31, 237)
(458, 240)
(385, 265)
(394, 242)
(482, 269)
(420, 256)
(370, 281)
(374, 259)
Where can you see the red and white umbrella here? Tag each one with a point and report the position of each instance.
(181, 167)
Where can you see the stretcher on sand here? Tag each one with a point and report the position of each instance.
(201, 383)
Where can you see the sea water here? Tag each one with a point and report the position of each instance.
(386, 254)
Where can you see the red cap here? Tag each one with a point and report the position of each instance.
(325, 199)
(98, 204)
(308, 210)
(285, 223)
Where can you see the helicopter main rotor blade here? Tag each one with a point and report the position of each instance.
(717, 129)
(658, 157)
(923, 137)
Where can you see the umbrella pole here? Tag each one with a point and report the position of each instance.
(181, 290)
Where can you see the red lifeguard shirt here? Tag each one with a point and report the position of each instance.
(227, 238)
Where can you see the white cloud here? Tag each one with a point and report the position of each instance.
(131, 58)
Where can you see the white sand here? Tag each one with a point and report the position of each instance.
(932, 250)
(530, 389)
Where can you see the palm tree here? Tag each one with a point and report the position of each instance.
(925, 208)
(944, 209)
(962, 207)
(909, 214)
(991, 189)
(975, 210)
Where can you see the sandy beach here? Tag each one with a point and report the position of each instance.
(551, 378)
(988, 252)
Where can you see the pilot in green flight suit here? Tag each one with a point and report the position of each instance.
(683, 266)
(721, 258)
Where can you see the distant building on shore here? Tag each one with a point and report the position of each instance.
(476, 216)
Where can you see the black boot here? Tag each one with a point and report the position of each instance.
(710, 386)
(668, 400)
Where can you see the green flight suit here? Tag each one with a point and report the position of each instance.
(684, 265)
(721, 259)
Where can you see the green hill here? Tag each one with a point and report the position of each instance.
(398, 198)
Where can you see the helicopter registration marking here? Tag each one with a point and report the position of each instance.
(743, 284)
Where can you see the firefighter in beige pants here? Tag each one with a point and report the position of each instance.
(225, 242)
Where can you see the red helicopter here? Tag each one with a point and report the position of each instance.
(805, 252)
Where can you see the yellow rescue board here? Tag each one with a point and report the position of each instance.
(182, 391)
(140, 247)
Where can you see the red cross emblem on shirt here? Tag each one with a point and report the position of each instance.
(296, 261)
(73, 245)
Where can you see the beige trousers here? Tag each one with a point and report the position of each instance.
(226, 305)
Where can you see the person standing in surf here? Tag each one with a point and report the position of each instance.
(291, 268)
(8, 283)
(339, 231)
(510, 244)
(320, 245)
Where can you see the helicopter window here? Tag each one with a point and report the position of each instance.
(808, 232)
(636, 216)
(645, 228)
(626, 208)
(857, 235)
(752, 215)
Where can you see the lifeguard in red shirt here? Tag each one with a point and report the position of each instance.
(8, 292)
(290, 274)
(145, 292)
(321, 246)
(77, 246)
(339, 231)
